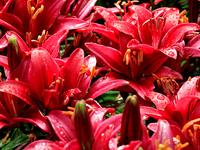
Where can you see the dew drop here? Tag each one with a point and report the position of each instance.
(161, 97)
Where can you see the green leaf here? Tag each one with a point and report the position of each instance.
(16, 142)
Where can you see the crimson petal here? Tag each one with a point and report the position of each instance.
(43, 145)
(62, 125)
(67, 24)
(102, 85)
(112, 57)
(107, 15)
(47, 17)
(52, 44)
(42, 70)
(18, 89)
(176, 33)
(71, 69)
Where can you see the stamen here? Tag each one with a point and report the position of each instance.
(127, 56)
(83, 71)
(5, 138)
(189, 124)
(182, 13)
(92, 16)
(71, 108)
(134, 59)
(32, 11)
(190, 134)
(39, 10)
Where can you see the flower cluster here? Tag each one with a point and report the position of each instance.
(58, 64)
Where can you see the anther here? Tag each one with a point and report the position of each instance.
(39, 10)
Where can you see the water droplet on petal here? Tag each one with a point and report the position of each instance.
(161, 97)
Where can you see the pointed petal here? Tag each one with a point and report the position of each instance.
(4, 62)
(107, 15)
(107, 130)
(43, 145)
(195, 42)
(42, 70)
(62, 125)
(98, 114)
(102, 85)
(47, 17)
(67, 24)
(124, 39)
(11, 22)
(18, 89)
(164, 71)
(52, 44)
(158, 99)
(164, 133)
(143, 15)
(3, 42)
(72, 67)
(157, 1)
(176, 33)
(172, 19)
(83, 8)
(189, 88)
(127, 28)
(86, 78)
(147, 112)
(33, 115)
(101, 30)
(22, 71)
(72, 145)
(20, 10)
(112, 57)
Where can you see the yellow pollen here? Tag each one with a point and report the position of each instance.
(32, 10)
(57, 81)
(39, 10)
(128, 51)
(39, 37)
(16, 79)
(189, 79)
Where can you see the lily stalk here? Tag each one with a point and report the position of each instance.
(131, 129)
(83, 126)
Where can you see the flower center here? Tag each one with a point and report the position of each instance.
(169, 86)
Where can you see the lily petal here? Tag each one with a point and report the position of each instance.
(112, 57)
(62, 125)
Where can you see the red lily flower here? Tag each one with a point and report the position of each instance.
(162, 27)
(178, 109)
(71, 134)
(30, 19)
(132, 66)
(52, 87)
